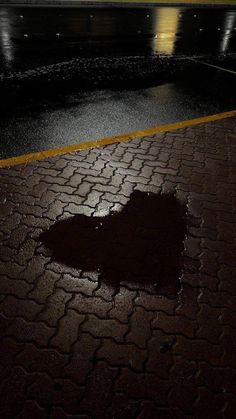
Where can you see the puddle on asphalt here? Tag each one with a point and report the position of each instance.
(141, 245)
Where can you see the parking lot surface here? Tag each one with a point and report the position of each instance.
(81, 335)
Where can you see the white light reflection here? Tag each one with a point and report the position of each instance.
(229, 24)
(6, 45)
(165, 26)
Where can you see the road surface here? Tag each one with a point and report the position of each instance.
(34, 37)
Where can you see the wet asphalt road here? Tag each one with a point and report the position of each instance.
(85, 116)
(35, 37)
(40, 36)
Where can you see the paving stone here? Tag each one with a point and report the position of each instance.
(105, 292)
(14, 307)
(54, 210)
(5, 323)
(34, 268)
(32, 410)
(122, 407)
(140, 327)
(228, 342)
(18, 236)
(82, 358)
(67, 330)
(150, 410)
(104, 207)
(42, 223)
(217, 379)
(44, 286)
(183, 389)
(225, 232)
(188, 302)
(8, 352)
(61, 392)
(94, 305)
(99, 390)
(160, 358)
(204, 402)
(123, 305)
(210, 329)
(228, 317)
(217, 298)
(192, 247)
(14, 287)
(93, 198)
(45, 360)
(75, 199)
(226, 275)
(209, 263)
(24, 331)
(146, 385)
(59, 413)
(175, 324)
(10, 223)
(122, 354)
(81, 285)
(198, 350)
(156, 303)
(55, 307)
(230, 406)
(105, 328)
(16, 383)
(73, 346)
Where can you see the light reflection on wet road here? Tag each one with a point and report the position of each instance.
(31, 37)
(86, 116)
(39, 36)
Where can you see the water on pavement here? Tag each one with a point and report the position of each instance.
(39, 36)
(142, 244)
(31, 37)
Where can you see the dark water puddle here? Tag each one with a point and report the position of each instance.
(140, 245)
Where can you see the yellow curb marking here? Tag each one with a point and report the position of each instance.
(26, 158)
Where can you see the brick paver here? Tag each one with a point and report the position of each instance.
(75, 346)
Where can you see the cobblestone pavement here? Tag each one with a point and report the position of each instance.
(74, 347)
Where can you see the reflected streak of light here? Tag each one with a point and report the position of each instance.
(5, 38)
(165, 41)
(230, 20)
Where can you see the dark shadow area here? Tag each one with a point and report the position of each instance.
(46, 50)
(141, 244)
(32, 37)
(50, 87)
(202, 82)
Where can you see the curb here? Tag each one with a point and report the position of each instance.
(26, 158)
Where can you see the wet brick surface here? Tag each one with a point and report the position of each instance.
(73, 346)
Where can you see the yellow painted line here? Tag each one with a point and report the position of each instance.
(26, 158)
